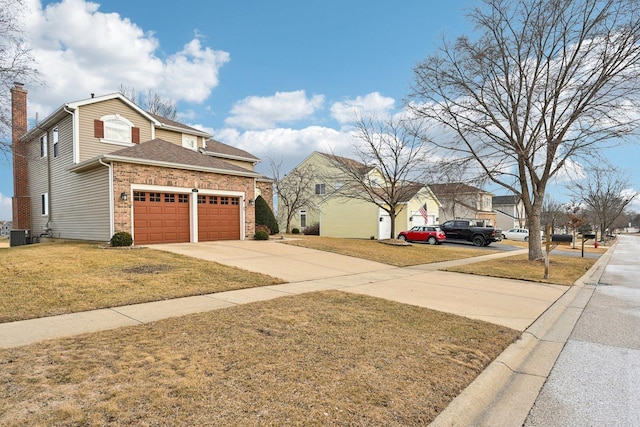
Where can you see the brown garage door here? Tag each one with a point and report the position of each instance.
(160, 217)
(218, 218)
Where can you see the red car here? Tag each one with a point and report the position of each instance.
(424, 233)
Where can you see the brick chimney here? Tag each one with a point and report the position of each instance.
(21, 199)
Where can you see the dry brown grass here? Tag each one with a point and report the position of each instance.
(372, 250)
(314, 359)
(563, 270)
(64, 277)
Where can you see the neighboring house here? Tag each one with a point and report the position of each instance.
(6, 228)
(102, 165)
(340, 215)
(509, 212)
(460, 200)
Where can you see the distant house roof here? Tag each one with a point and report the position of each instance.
(455, 187)
(504, 200)
(158, 152)
(227, 151)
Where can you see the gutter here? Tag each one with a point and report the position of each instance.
(108, 158)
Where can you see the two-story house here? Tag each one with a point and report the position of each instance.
(510, 212)
(339, 214)
(101, 165)
(460, 200)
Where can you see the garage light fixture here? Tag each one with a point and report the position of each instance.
(124, 196)
(252, 202)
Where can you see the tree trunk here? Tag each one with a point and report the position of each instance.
(392, 216)
(535, 239)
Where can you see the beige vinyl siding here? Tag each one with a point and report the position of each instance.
(38, 181)
(170, 136)
(90, 146)
(80, 207)
(342, 217)
(79, 202)
(242, 164)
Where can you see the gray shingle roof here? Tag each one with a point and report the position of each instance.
(159, 150)
(227, 150)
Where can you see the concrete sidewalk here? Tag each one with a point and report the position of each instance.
(507, 390)
(507, 302)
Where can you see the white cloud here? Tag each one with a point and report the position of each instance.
(81, 50)
(256, 112)
(5, 208)
(372, 104)
(289, 145)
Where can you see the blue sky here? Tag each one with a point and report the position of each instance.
(277, 78)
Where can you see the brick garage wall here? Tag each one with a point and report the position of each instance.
(21, 200)
(266, 190)
(125, 174)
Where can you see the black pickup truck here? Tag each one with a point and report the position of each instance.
(469, 230)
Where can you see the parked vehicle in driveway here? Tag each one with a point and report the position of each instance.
(521, 234)
(469, 230)
(423, 233)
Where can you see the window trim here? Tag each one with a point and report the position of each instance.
(321, 189)
(186, 138)
(56, 138)
(116, 118)
(303, 219)
(44, 202)
(43, 145)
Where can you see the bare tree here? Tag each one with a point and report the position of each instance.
(544, 82)
(606, 193)
(293, 190)
(553, 214)
(152, 102)
(390, 161)
(16, 63)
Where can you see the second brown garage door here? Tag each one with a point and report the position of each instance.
(218, 218)
(160, 218)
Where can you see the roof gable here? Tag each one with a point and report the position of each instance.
(223, 150)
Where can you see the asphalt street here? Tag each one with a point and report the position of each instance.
(596, 379)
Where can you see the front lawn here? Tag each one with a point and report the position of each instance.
(373, 250)
(64, 277)
(313, 359)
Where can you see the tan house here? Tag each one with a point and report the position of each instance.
(342, 215)
(102, 165)
(460, 200)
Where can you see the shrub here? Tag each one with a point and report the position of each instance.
(295, 231)
(261, 235)
(264, 215)
(121, 238)
(263, 228)
(313, 230)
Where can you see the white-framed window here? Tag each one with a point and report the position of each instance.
(189, 141)
(44, 204)
(56, 149)
(303, 219)
(116, 129)
(320, 189)
(43, 145)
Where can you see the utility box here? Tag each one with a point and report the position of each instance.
(18, 237)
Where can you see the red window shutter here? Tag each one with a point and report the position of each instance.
(98, 128)
(135, 135)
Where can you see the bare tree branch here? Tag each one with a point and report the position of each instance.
(391, 164)
(606, 193)
(16, 63)
(546, 81)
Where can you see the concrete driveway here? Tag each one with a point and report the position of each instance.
(512, 303)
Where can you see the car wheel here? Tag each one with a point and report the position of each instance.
(402, 237)
(526, 239)
(478, 241)
(504, 237)
(432, 240)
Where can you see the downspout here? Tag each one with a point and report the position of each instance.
(111, 206)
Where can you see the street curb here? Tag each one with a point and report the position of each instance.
(505, 391)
